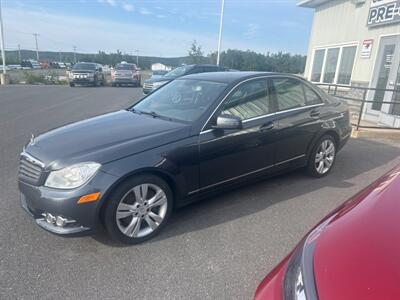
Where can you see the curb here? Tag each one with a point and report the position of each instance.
(376, 133)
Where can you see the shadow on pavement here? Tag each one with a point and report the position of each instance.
(358, 157)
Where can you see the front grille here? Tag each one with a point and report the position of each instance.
(148, 86)
(30, 169)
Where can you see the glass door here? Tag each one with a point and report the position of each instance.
(396, 95)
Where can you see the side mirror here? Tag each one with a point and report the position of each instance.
(228, 122)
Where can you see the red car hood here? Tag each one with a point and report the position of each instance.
(357, 256)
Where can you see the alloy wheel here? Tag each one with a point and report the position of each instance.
(141, 210)
(325, 156)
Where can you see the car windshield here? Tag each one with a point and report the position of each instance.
(84, 67)
(177, 72)
(127, 67)
(182, 100)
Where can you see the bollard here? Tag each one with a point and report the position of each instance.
(4, 79)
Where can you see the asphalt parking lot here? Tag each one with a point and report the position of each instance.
(220, 248)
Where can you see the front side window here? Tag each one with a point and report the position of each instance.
(289, 93)
(317, 65)
(183, 100)
(249, 100)
(331, 65)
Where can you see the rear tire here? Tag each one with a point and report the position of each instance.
(138, 209)
(322, 157)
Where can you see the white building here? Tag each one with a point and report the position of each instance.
(160, 67)
(357, 42)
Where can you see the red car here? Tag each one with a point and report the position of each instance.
(354, 253)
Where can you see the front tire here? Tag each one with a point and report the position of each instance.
(71, 84)
(323, 157)
(138, 209)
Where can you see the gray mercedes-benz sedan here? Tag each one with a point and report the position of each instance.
(197, 134)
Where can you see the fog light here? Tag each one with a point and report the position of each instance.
(60, 221)
(50, 218)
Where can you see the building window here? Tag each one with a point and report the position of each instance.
(346, 64)
(317, 66)
(331, 65)
(335, 63)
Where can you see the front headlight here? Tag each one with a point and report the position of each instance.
(156, 85)
(73, 176)
(299, 282)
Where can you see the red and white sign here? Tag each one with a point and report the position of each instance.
(366, 48)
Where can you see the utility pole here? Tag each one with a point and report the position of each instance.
(74, 54)
(221, 24)
(19, 53)
(3, 53)
(137, 58)
(37, 47)
(59, 55)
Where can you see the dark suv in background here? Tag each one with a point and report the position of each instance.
(154, 83)
(86, 74)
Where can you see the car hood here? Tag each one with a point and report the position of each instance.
(104, 138)
(82, 71)
(357, 256)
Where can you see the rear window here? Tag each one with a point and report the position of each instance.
(128, 67)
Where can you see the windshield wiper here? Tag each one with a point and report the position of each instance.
(153, 114)
(150, 113)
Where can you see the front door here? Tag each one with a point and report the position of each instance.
(226, 155)
(386, 79)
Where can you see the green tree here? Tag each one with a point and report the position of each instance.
(195, 54)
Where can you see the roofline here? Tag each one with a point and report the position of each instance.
(311, 3)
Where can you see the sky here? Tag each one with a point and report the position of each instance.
(156, 27)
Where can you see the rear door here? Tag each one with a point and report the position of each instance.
(226, 155)
(298, 117)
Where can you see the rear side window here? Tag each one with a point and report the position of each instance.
(292, 93)
(289, 93)
(248, 101)
(311, 96)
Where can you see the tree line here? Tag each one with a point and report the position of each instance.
(232, 58)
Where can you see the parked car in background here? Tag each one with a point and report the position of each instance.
(158, 74)
(83, 73)
(353, 253)
(125, 74)
(14, 67)
(30, 64)
(58, 65)
(196, 135)
(7, 68)
(152, 84)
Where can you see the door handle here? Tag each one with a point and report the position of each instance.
(266, 127)
(315, 113)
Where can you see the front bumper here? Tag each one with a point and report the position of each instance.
(83, 81)
(147, 91)
(39, 200)
(121, 80)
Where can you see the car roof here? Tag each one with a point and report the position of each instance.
(230, 77)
